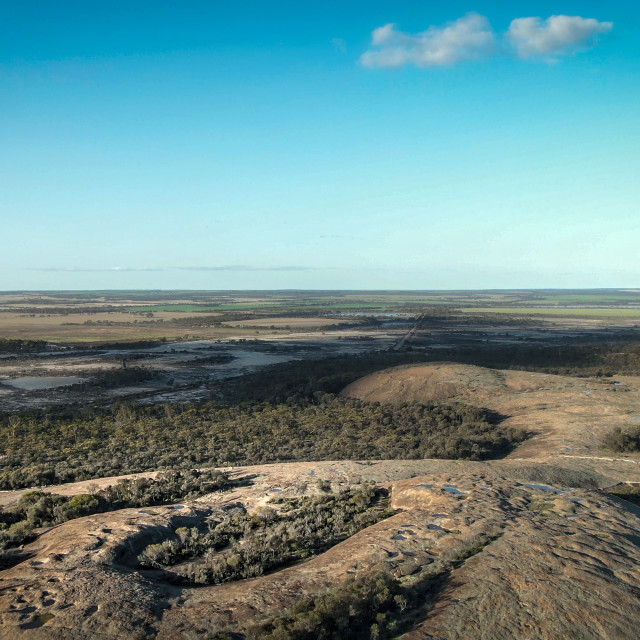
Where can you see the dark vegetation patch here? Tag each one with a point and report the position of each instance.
(21, 346)
(48, 309)
(115, 378)
(223, 318)
(628, 492)
(623, 440)
(300, 380)
(129, 344)
(372, 606)
(237, 546)
(571, 357)
(50, 449)
(215, 359)
(36, 509)
(364, 607)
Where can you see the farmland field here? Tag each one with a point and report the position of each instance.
(603, 312)
(85, 317)
(319, 391)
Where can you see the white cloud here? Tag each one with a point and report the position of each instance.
(468, 38)
(96, 270)
(557, 35)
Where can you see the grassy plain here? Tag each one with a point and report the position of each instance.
(115, 327)
(601, 312)
(111, 316)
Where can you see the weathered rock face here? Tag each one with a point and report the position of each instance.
(78, 583)
(526, 547)
(507, 558)
(563, 565)
(568, 416)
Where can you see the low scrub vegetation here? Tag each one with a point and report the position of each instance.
(36, 509)
(362, 608)
(244, 546)
(592, 359)
(21, 346)
(120, 377)
(372, 606)
(300, 381)
(628, 492)
(624, 441)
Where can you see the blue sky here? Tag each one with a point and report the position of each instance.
(377, 145)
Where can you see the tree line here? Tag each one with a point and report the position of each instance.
(51, 448)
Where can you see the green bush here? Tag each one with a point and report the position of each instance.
(356, 610)
(35, 509)
(37, 451)
(244, 546)
(623, 441)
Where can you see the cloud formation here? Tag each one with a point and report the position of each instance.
(98, 270)
(468, 38)
(230, 267)
(557, 35)
(241, 267)
(472, 37)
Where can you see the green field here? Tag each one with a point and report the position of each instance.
(193, 308)
(111, 316)
(556, 311)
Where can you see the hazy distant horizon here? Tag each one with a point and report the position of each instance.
(382, 291)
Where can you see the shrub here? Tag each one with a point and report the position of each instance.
(35, 509)
(623, 441)
(244, 546)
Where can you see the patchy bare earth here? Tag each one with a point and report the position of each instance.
(562, 562)
(525, 547)
(568, 416)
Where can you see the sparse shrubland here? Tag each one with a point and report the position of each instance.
(623, 441)
(592, 359)
(244, 546)
(114, 378)
(372, 606)
(36, 509)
